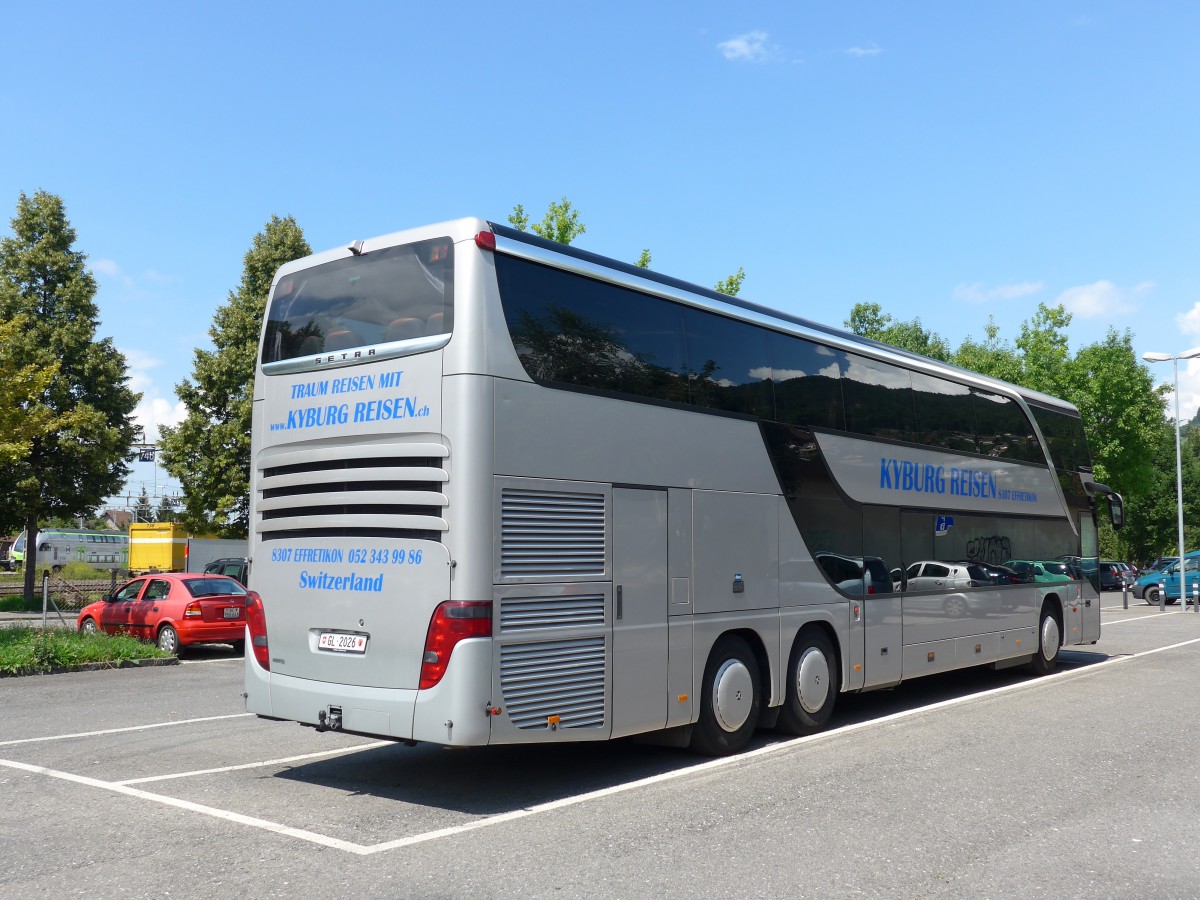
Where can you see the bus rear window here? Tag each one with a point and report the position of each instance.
(380, 297)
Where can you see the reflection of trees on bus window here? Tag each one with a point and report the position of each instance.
(383, 296)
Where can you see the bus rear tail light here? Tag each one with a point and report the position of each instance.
(453, 621)
(256, 621)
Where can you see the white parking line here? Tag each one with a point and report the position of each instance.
(1145, 615)
(258, 765)
(83, 734)
(303, 835)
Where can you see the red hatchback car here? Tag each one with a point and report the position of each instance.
(173, 610)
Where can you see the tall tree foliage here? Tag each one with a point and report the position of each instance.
(165, 511)
(75, 450)
(732, 285)
(209, 451)
(22, 418)
(142, 511)
(870, 321)
(561, 223)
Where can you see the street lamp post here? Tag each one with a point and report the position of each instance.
(1165, 357)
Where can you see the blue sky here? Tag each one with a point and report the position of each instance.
(949, 161)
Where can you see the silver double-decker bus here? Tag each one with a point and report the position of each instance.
(505, 490)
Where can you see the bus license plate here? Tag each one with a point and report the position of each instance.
(342, 643)
(233, 612)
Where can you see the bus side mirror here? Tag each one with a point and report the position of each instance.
(1116, 510)
(1116, 506)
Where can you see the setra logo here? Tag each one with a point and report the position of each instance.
(339, 357)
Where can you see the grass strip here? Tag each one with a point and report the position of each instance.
(30, 651)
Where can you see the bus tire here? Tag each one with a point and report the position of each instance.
(1045, 660)
(168, 640)
(729, 699)
(813, 682)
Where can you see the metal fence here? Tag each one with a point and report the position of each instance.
(68, 595)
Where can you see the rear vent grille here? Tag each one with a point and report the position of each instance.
(551, 534)
(562, 611)
(556, 678)
(396, 491)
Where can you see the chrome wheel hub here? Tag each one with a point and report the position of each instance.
(1050, 637)
(812, 680)
(733, 695)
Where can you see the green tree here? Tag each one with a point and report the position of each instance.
(731, 285)
(1044, 353)
(165, 511)
(1122, 409)
(561, 222)
(22, 418)
(870, 321)
(991, 356)
(78, 452)
(142, 511)
(209, 451)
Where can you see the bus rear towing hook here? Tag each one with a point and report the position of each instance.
(329, 721)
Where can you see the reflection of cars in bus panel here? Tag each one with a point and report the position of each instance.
(934, 575)
(1041, 571)
(855, 575)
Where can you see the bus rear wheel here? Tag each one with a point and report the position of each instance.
(813, 681)
(1045, 660)
(730, 699)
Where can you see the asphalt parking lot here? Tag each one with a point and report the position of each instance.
(154, 783)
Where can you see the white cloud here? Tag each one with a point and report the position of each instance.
(750, 47)
(1189, 391)
(1102, 299)
(860, 52)
(158, 278)
(111, 271)
(1189, 385)
(151, 412)
(153, 409)
(1189, 322)
(106, 267)
(977, 293)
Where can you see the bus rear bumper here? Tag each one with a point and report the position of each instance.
(453, 713)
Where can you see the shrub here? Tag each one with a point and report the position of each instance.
(81, 571)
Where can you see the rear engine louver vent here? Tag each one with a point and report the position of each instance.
(389, 490)
(551, 534)
(556, 678)
(563, 611)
